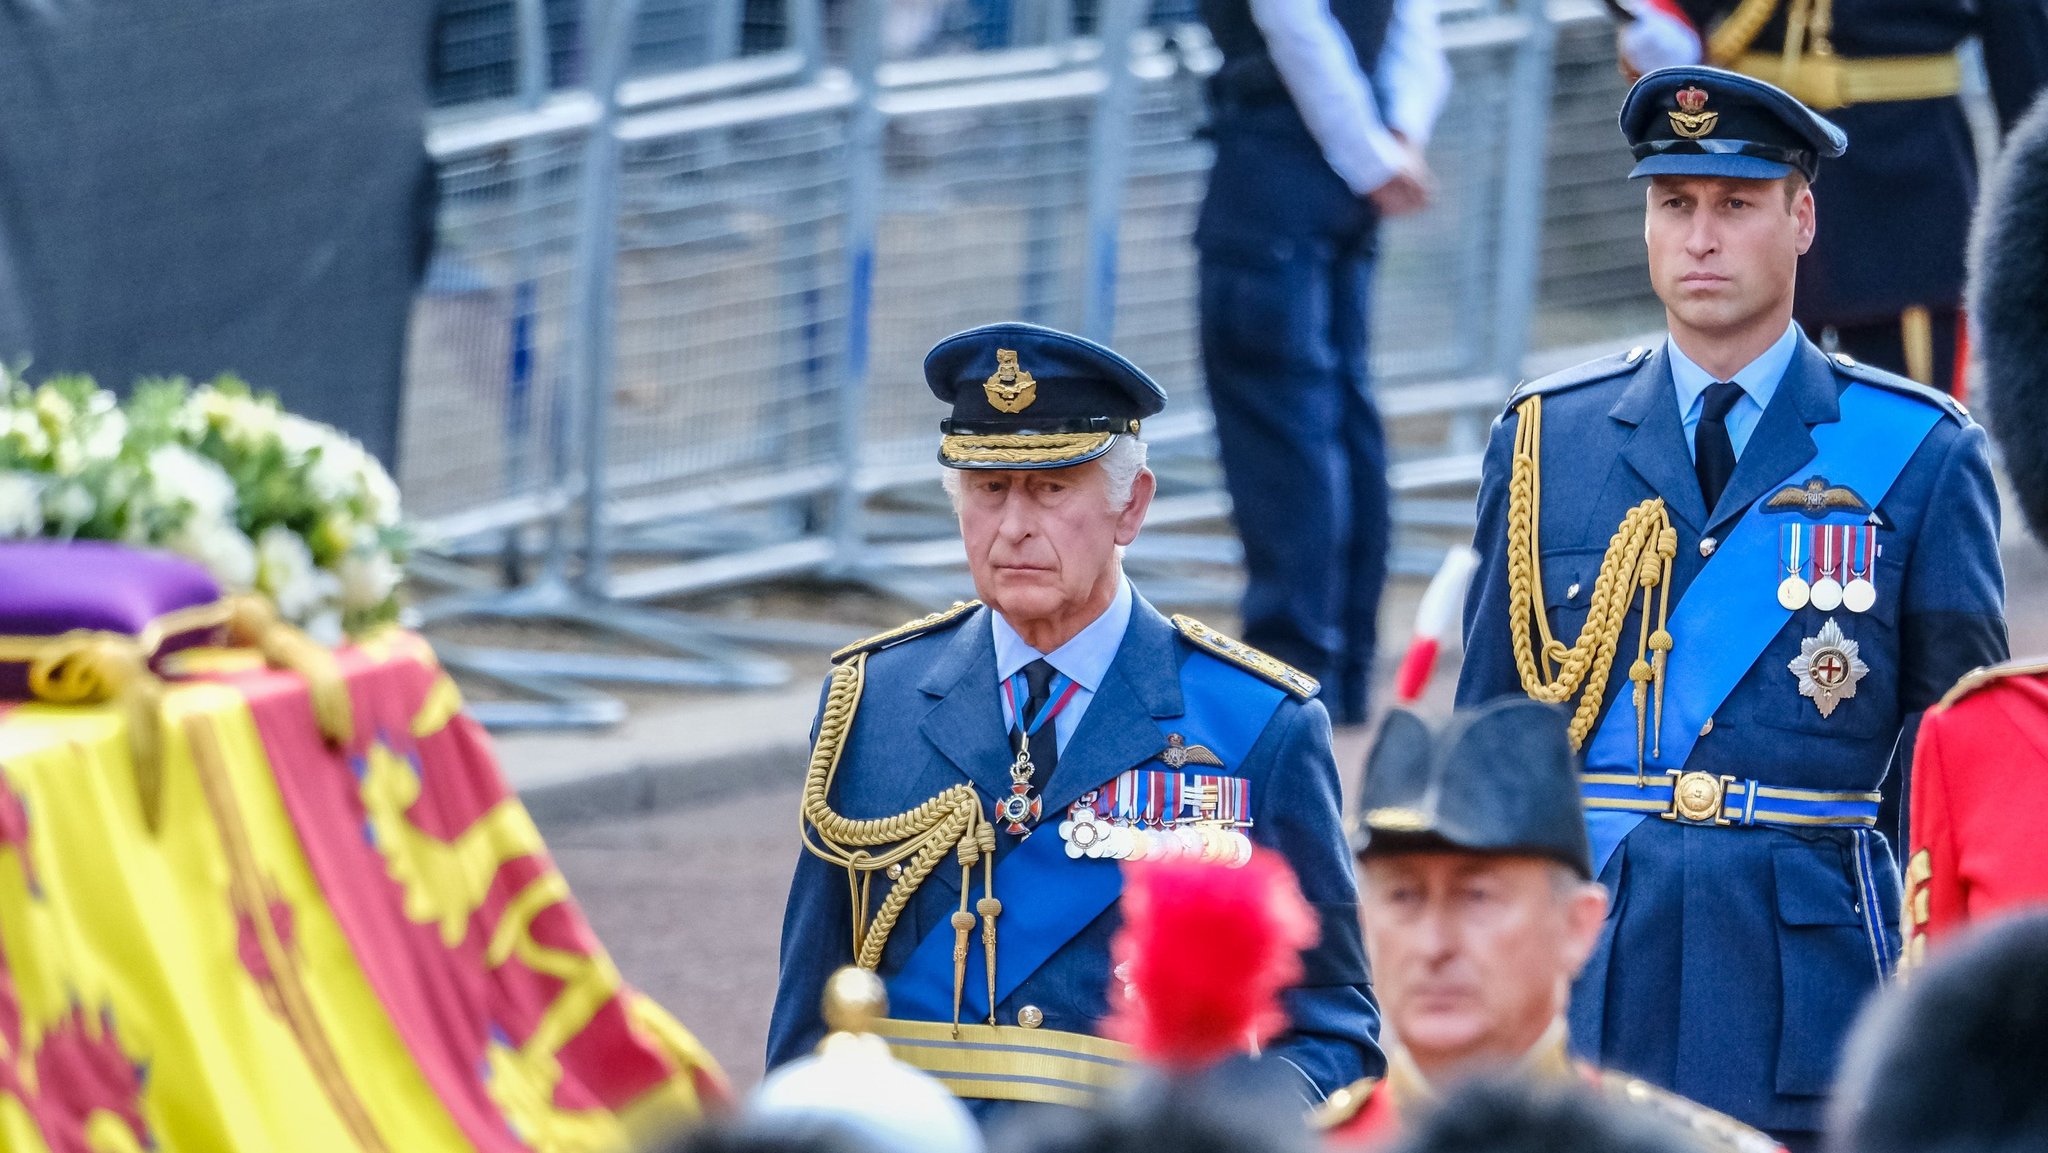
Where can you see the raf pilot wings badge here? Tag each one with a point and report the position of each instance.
(1816, 498)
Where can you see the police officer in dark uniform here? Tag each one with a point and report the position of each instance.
(980, 774)
(1747, 567)
(1319, 113)
(1885, 274)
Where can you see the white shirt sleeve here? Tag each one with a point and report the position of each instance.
(1330, 89)
(1416, 74)
(1659, 37)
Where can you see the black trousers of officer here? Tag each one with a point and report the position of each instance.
(1286, 271)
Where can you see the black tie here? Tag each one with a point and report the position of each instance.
(1713, 454)
(1044, 745)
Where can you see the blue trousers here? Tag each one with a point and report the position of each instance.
(1286, 272)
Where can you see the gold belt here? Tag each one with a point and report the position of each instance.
(1829, 82)
(1008, 1062)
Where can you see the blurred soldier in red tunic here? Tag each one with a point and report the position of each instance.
(1980, 769)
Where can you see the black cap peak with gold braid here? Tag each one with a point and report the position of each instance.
(1025, 396)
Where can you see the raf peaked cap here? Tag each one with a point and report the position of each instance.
(1700, 121)
(1498, 779)
(1030, 397)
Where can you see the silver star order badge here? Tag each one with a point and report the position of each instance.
(1828, 668)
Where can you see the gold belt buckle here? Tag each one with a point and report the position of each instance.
(1697, 797)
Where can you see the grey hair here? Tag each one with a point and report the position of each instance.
(1120, 468)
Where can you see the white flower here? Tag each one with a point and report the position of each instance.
(179, 475)
(70, 505)
(221, 547)
(21, 426)
(368, 578)
(21, 505)
(380, 493)
(285, 570)
(104, 430)
(302, 438)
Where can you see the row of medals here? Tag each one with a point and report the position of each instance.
(1829, 551)
(1090, 834)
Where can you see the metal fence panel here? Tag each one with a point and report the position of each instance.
(484, 397)
(983, 216)
(732, 296)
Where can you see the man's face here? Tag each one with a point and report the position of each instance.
(1724, 252)
(1042, 542)
(1473, 956)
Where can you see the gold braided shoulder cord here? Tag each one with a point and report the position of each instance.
(1638, 557)
(1739, 30)
(918, 840)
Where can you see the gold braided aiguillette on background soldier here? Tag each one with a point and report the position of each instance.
(1639, 553)
(917, 840)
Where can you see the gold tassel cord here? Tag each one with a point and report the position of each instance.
(253, 621)
(1637, 561)
(1739, 30)
(917, 840)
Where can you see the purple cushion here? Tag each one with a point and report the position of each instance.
(52, 587)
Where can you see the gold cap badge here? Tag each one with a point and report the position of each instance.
(1011, 389)
(1689, 122)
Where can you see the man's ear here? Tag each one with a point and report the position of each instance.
(1807, 212)
(1585, 913)
(1129, 521)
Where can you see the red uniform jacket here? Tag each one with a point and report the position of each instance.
(1980, 778)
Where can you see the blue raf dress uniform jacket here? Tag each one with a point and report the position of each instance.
(1735, 957)
(930, 718)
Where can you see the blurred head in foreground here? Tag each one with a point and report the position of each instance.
(1487, 1116)
(1955, 1060)
(853, 1091)
(1477, 896)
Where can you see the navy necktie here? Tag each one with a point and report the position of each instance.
(1713, 454)
(1044, 743)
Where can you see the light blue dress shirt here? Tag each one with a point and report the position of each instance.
(1085, 658)
(1759, 380)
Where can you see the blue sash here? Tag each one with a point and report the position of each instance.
(1730, 612)
(1049, 897)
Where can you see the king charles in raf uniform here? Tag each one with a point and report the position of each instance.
(1747, 566)
(979, 774)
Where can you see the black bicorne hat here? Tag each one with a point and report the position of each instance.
(1498, 779)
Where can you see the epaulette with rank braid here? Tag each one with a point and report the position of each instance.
(1850, 367)
(1592, 371)
(1340, 1107)
(907, 630)
(1246, 657)
(1979, 677)
(1717, 1131)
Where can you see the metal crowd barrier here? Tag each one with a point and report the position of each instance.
(688, 269)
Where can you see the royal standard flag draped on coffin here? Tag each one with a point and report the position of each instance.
(319, 948)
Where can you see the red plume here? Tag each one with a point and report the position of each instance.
(1203, 955)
